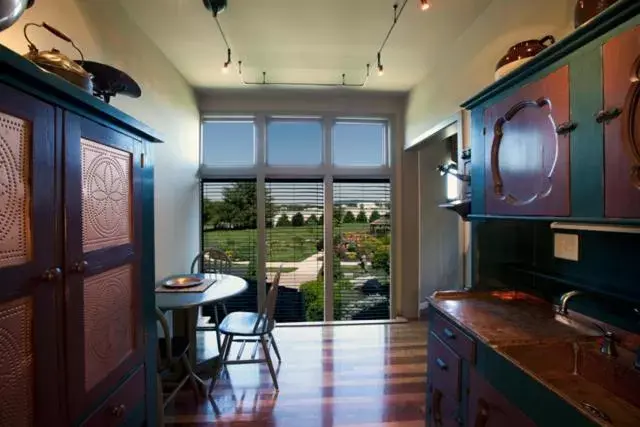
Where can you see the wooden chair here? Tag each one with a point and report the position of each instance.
(246, 327)
(212, 260)
(173, 364)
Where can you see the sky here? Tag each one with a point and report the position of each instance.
(294, 142)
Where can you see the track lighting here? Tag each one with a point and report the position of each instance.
(424, 4)
(380, 67)
(225, 67)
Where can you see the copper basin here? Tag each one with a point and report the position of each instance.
(604, 388)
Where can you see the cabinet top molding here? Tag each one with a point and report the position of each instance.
(26, 76)
(614, 16)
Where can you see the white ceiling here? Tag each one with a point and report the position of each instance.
(304, 40)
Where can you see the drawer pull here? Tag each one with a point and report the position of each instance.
(450, 335)
(441, 364)
(118, 411)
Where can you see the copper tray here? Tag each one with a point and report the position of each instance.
(183, 281)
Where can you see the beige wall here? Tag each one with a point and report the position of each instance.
(470, 65)
(105, 33)
(440, 258)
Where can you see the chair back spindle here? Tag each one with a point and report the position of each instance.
(267, 312)
(211, 260)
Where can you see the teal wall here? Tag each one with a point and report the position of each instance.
(519, 254)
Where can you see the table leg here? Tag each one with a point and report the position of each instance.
(184, 325)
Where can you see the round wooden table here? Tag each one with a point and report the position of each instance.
(184, 306)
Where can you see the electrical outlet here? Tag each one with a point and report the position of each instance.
(565, 246)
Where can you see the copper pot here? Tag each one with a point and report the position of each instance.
(587, 9)
(520, 53)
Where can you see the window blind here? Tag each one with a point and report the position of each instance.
(294, 215)
(361, 249)
(229, 223)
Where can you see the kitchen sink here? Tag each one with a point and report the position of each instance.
(605, 388)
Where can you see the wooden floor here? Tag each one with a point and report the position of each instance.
(339, 376)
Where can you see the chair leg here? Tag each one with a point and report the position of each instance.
(226, 345)
(224, 309)
(215, 316)
(267, 356)
(275, 346)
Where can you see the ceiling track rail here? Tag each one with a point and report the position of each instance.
(397, 12)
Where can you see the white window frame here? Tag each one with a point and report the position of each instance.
(326, 171)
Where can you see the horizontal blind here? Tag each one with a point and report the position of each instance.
(229, 223)
(294, 215)
(361, 249)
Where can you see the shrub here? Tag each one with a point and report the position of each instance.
(371, 307)
(375, 215)
(362, 217)
(349, 218)
(312, 220)
(297, 220)
(381, 260)
(313, 299)
(283, 221)
(351, 247)
(351, 256)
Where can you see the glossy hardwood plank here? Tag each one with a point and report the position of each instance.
(340, 376)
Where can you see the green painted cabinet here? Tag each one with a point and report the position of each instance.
(77, 308)
(559, 138)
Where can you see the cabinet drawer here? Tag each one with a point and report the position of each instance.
(453, 336)
(115, 410)
(444, 367)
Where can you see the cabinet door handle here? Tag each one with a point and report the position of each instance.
(436, 403)
(52, 274)
(482, 417)
(605, 116)
(566, 128)
(441, 364)
(450, 335)
(80, 266)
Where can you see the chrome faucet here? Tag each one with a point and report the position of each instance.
(608, 344)
(564, 300)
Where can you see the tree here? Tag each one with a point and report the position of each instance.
(212, 212)
(349, 218)
(337, 215)
(297, 220)
(312, 220)
(375, 215)
(362, 217)
(238, 207)
(283, 221)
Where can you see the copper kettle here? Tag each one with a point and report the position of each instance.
(58, 63)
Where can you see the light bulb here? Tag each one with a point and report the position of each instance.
(380, 70)
(225, 68)
(424, 4)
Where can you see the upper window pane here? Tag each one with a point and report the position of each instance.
(228, 143)
(294, 142)
(359, 144)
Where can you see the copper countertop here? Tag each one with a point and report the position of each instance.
(509, 318)
(506, 317)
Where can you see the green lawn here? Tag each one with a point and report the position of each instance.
(284, 244)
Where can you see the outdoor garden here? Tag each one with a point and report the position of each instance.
(359, 252)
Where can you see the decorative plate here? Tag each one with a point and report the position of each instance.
(184, 281)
